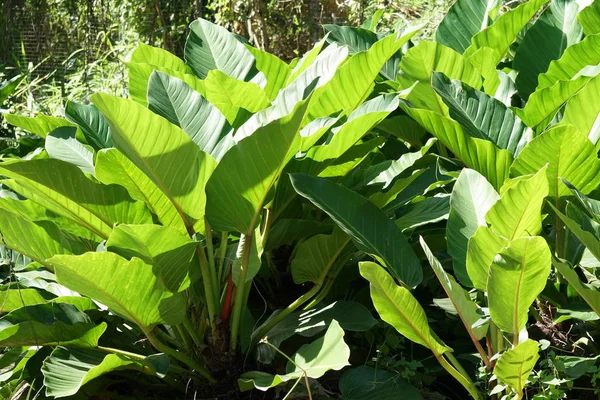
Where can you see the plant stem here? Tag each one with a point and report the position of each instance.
(140, 357)
(179, 356)
(240, 291)
(222, 254)
(187, 323)
(187, 343)
(211, 262)
(296, 365)
(208, 287)
(263, 330)
(464, 381)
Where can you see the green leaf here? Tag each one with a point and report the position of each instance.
(275, 70)
(313, 360)
(397, 306)
(465, 19)
(554, 31)
(40, 125)
(470, 201)
(62, 145)
(481, 250)
(518, 212)
(162, 151)
(481, 155)
(467, 309)
(589, 18)
(504, 31)
(38, 241)
(366, 382)
(254, 263)
(544, 103)
(238, 189)
(129, 288)
(482, 116)
(314, 257)
(573, 62)
(515, 365)
(585, 228)
(173, 99)
(369, 227)
(353, 81)
(93, 125)
(12, 299)
(112, 167)
(157, 56)
(64, 189)
(428, 211)
(209, 47)
(569, 155)
(518, 275)
(583, 109)
(168, 251)
(306, 61)
(589, 293)
(49, 324)
(67, 370)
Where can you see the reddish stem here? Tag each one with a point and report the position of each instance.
(226, 312)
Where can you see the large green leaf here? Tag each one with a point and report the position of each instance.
(157, 56)
(38, 241)
(555, 30)
(504, 31)
(238, 189)
(129, 288)
(482, 116)
(40, 125)
(64, 189)
(366, 382)
(467, 309)
(62, 145)
(397, 306)
(93, 125)
(49, 324)
(518, 212)
(67, 370)
(589, 18)
(515, 365)
(162, 151)
(112, 167)
(275, 70)
(210, 46)
(371, 230)
(518, 275)
(12, 299)
(353, 81)
(173, 99)
(314, 257)
(569, 155)
(465, 19)
(230, 94)
(480, 155)
(586, 229)
(168, 251)
(573, 62)
(590, 294)
(312, 360)
(481, 250)
(428, 211)
(583, 110)
(470, 200)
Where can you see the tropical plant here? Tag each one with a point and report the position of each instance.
(237, 217)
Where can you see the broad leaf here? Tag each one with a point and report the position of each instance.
(583, 110)
(397, 306)
(129, 288)
(40, 125)
(64, 189)
(312, 360)
(470, 201)
(482, 116)
(518, 275)
(465, 19)
(173, 99)
(230, 94)
(160, 57)
(569, 155)
(555, 30)
(428, 211)
(62, 145)
(467, 309)
(515, 365)
(275, 70)
(162, 151)
(12, 299)
(590, 294)
(369, 227)
(93, 125)
(581, 225)
(481, 250)
(589, 18)
(49, 324)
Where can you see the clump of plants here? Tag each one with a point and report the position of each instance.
(376, 216)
